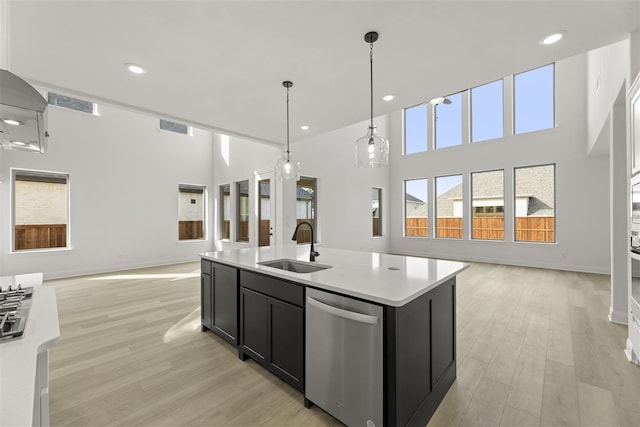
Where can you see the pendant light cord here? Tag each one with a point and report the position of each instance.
(288, 152)
(371, 74)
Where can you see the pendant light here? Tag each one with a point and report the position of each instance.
(287, 166)
(372, 150)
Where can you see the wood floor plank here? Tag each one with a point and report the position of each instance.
(560, 395)
(596, 406)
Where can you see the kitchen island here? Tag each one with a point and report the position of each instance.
(265, 313)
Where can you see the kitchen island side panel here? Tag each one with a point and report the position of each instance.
(419, 356)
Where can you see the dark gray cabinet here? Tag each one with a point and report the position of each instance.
(420, 349)
(272, 325)
(219, 300)
(206, 300)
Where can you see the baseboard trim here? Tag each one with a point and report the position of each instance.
(631, 357)
(619, 317)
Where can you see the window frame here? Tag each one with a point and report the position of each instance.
(404, 208)
(435, 203)
(238, 210)
(472, 209)
(502, 112)
(464, 127)
(221, 195)
(41, 173)
(428, 119)
(513, 99)
(194, 187)
(380, 224)
(314, 209)
(555, 216)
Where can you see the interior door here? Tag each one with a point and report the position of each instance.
(265, 200)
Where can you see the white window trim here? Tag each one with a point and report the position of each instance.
(12, 203)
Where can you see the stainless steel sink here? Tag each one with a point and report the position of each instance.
(294, 265)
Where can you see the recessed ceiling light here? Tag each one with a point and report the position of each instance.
(552, 38)
(18, 142)
(304, 127)
(135, 69)
(12, 122)
(388, 97)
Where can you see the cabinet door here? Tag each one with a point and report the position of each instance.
(205, 301)
(225, 302)
(253, 325)
(443, 337)
(286, 342)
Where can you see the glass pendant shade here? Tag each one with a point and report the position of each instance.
(288, 167)
(372, 150)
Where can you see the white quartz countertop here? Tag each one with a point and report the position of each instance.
(18, 357)
(386, 279)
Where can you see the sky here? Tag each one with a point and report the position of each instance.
(533, 106)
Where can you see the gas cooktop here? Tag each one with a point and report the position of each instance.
(15, 303)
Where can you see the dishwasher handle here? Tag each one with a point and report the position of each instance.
(350, 315)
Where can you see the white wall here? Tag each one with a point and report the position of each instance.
(608, 71)
(344, 191)
(582, 194)
(123, 176)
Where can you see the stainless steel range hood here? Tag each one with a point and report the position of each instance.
(23, 122)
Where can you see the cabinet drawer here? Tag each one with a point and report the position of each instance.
(205, 266)
(276, 288)
(225, 269)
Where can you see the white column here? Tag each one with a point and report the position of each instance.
(4, 34)
(619, 211)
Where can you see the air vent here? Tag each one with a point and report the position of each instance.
(174, 127)
(70, 103)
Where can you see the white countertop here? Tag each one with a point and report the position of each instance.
(363, 275)
(18, 357)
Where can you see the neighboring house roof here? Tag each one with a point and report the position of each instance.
(301, 193)
(536, 183)
(411, 198)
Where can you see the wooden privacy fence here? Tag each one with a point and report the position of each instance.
(304, 234)
(40, 236)
(530, 229)
(188, 230)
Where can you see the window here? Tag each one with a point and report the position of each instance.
(376, 209)
(306, 207)
(191, 208)
(535, 203)
(242, 216)
(534, 99)
(449, 121)
(415, 129)
(487, 195)
(449, 209)
(416, 215)
(174, 127)
(40, 210)
(225, 211)
(264, 212)
(487, 112)
(71, 103)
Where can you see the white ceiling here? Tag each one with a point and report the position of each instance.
(220, 64)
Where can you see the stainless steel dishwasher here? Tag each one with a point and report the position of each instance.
(344, 358)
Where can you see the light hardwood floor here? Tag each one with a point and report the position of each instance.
(534, 348)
